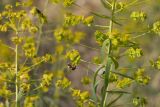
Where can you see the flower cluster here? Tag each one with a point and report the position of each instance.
(66, 35)
(100, 37)
(46, 81)
(138, 15)
(16, 40)
(82, 98)
(29, 101)
(5, 93)
(120, 6)
(29, 48)
(125, 82)
(66, 3)
(63, 83)
(134, 52)
(141, 78)
(24, 80)
(156, 27)
(139, 101)
(113, 77)
(88, 20)
(7, 67)
(63, 34)
(74, 57)
(72, 20)
(16, 20)
(116, 37)
(156, 64)
(48, 58)
(85, 80)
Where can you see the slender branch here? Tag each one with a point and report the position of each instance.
(101, 26)
(7, 46)
(88, 47)
(108, 2)
(141, 34)
(89, 62)
(135, 2)
(123, 75)
(32, 66)
(16, 71)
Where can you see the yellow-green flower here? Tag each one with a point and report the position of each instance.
(85, 80)
(68, 3)
(74, 57)
(72, 20)
(64, 83)
(125, 82)
(88, 20)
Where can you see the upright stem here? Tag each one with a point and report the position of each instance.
(16, 71)
(109, 49)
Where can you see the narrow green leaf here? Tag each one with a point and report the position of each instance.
(95, 82)
(106, 80)
(95, 86)
(112, 102)
(116, 64)
(123, 75)
(118, 92)
(96, 73)
(105, 17)
(101, 15)
(105, 4)
(103, 51)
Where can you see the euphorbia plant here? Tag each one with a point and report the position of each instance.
(22, 87)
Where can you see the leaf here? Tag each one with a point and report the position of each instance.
(105, 4)
(105, 17)
(119, 92)
(112, 102)
(107, 70)
(103, 51)
(95, 89)
(95, 83)
(116, 64)
(126, 76)
(106, 80)
(101, 15)
(95, 86)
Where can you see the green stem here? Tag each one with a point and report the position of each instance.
(141, 34)
(16, 71)
(105, 93)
